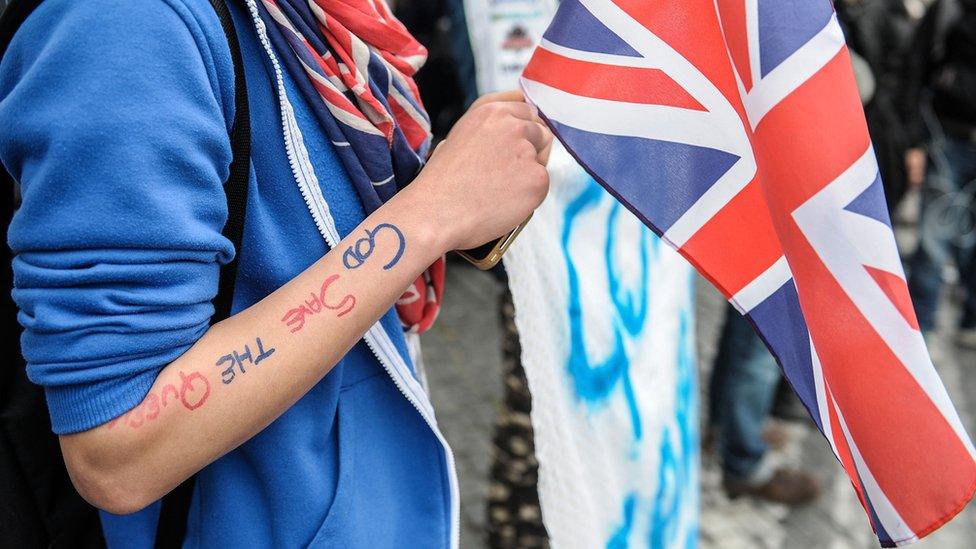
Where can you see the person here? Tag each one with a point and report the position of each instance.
(301, 414)
(942, 81)
(742, 391)
(442, 83)
(879, 33)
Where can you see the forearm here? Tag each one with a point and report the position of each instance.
(485, 178)
(247, 370)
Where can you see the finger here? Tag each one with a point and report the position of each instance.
(537, 134)
(508, 95)
(543, 156)
(523, 111)
(541, 138)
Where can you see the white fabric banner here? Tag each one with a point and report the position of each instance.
(605, 314)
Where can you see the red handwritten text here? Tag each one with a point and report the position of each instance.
(295, 317)
(193, 392)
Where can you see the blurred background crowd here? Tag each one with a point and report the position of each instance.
(768, 478)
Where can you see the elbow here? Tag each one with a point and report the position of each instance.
(107, 494)
(107, 484)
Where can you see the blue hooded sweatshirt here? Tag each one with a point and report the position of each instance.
(114, 118)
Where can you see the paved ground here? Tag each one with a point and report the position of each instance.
(463, 363)
(462, 354)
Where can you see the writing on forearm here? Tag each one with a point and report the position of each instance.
(237, 359)
(353, 257)
(193, 392)
(357, 254)
(295, 317)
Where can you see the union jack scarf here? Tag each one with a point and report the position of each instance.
(354, 62)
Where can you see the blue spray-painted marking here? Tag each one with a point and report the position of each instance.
(677, 487)
(594, 382)
(673, 521)
(632, 306)
(664, 516)
(622, 534)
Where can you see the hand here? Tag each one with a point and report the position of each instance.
(915, 166)
(518, 97)
(489, 174)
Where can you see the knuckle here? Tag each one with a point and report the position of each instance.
(482, 112)
(525, 149)
(539, 178)
(493, 109)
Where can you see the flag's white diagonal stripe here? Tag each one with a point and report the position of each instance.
(680, 69)
(715, 198)
(874, 232)
(821, 389)
(860, 176)
(602, 58)
(752, 35)
(618, 118)
(793, 72)
(857, 177)
(762, 286)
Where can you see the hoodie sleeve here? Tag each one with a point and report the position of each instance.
(115, 126)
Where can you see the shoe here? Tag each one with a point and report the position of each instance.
(787, 486)
(776, 435)
(966, 337)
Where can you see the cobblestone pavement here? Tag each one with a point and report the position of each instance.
(463, 362)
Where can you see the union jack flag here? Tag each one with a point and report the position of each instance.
(733, 129)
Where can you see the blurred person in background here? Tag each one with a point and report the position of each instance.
(940, 110)
(446, 80)
(879, 33)
(742, 391)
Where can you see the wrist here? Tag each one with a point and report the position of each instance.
(420, 220)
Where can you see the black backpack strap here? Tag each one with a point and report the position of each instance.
(13, 14)
(236, 185)
(171, 528)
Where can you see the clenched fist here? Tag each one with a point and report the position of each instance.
(489, 174)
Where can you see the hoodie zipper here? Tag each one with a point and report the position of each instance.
(376, 338)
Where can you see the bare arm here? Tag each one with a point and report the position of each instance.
(247, 370)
